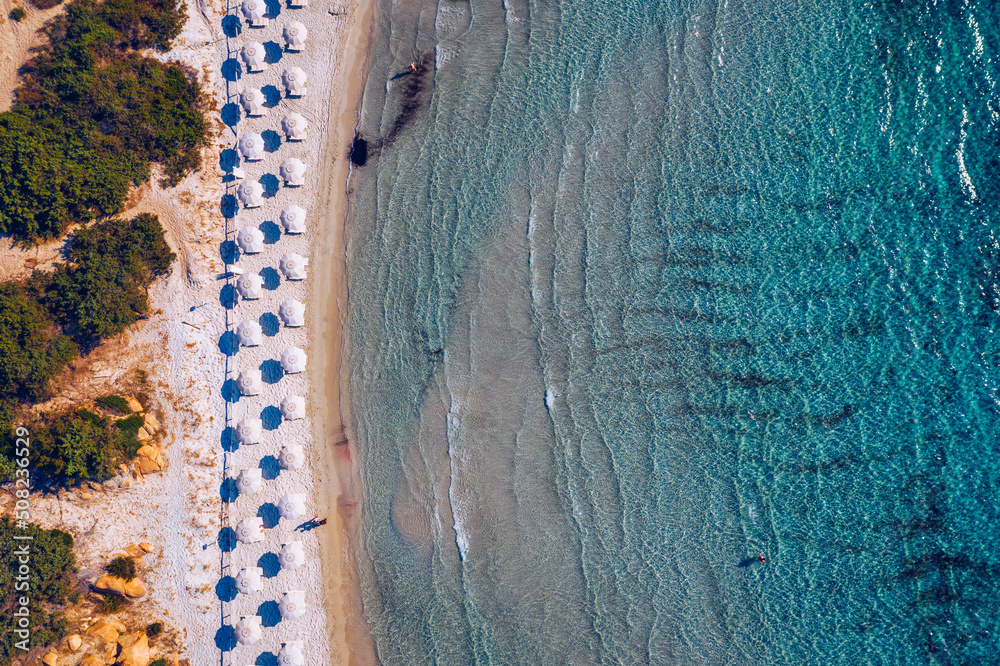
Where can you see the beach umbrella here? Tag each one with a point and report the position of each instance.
(295, 35)
(252, 100)
(248, 580)
(250, 193)
(249, 382)
(293, 266)
(253, 55)
(292, 505)
(254, 11)
(291, 457)
(249, 333)
(249, 481)
(248, 630)
(249, 285)
(293, 407)
(251, 146)
(294, 126)
(293, 170)
(292, 605)
(249, 430)
(293, 360)
(294, 80)
(293, 313)
(250, 530)
(295, 4)
(291, 555)
(290, 654)
(293, 219)
(250, 240)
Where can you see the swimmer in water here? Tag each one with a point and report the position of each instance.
(760, 556)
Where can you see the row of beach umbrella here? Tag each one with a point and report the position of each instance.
(250, 286)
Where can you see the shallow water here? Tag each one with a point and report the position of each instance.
(640, 290)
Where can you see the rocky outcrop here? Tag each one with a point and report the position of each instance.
(51, 659)
(74, 642)
(151, 424)
(105, 632)
(130, 589)
(92, 661)
(135, 650)
(134, 405)
(148, 460)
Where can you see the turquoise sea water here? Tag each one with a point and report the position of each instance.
(642, 289)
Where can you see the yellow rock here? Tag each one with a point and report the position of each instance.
(151, 424)
(128, 639)
(134, 551)
(92, 661)
(127, 483)
(134, 405)
(117, 625)
(145, 465)
(109, 652)
(136, 654)
(104, 631)
(135, 588)
(74, 642)
(108, 583)
(142, 435)
(150, 452)
(146, 546)
(51, 659)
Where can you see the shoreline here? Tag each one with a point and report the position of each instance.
(328, 299)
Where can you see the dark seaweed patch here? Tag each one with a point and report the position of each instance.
(359, 151)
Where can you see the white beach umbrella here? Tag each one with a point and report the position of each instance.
(249, 382)
(292, 505)
(293, 171)
(295, 4)
(251, 146)
(293, 219)
(250, 285)
(253, 100)
(254, 11)
(249, 430)
(249, 333)
(248, 580)
(295, 35)
(250, 193)
(248, 630)
(291, 555)
(292, 605)
(293, 313)
(293, 407)
(294, 80)
(290, 654)
(294, 126)
(250, 530)
(293, 266)
(253, 55)
(249, 481)
(293, 360)
(291, 457)
(250, 239)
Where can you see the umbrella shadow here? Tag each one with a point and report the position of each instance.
(232, 70)
(269, 513)
(229, 491)
(269, 563)
(228, 206)
(271, 372)
(271, 231)
(225, 638)
(230, 391)
(230, 114)
(272, 52)
(266, 659)
(270, 614)
(270, 468)
(229, 159)
(273, 8)
(232, 26)
(270, 278)
(272, 96)
(227, 539)
(272, 140)
(229, 344)
(225, 589)
(229, 252)
(269, 324)
(229, 440)
(270, 417)
(270, 184)
(227, 296)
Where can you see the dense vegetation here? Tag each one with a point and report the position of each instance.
(44, 323)
(92, 114)
(50, 581)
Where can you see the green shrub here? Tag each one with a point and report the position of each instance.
(53, 566)
(32, 350)
(131, 424)
(122, 567)
(110, 603)
(104, 290)
(159, 662)
(17, 14)
(70, 445)
(114, 402)
(91, 114)
(154, 629)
